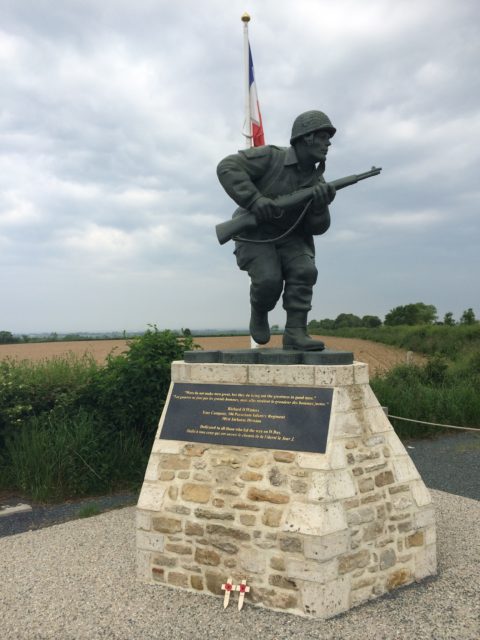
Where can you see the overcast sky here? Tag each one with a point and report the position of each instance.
(114, 115)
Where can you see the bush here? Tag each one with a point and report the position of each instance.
(130, 391)
(28, 389)
(70, 427)
(432, 393)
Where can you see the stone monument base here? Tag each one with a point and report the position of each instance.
(313, 534)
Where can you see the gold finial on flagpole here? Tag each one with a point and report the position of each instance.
(245, 17)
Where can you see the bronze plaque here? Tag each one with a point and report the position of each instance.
(293, 418)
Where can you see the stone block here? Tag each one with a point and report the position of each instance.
(325, 547)
(291, 544)
(166, 476)
(404, 469)
(366, 484)
(251, 476)
(334, 458)
(291, 375)
(384, 478)
(149, 541)
(360, 373)
(219, 530)
(347, 425)
(178, 579)
(152, 470)
(144, 564)
(164, 561)
(333, 375)
(152, 497)
(416, 539)
(282, 582)
(272, 517)
(257, 460)
(401, 502)
(388, 557)
(352, 561)
(196, 582)
(278, 563)
(196, 492)
(166, 446)
(214, 582)
(426, 562)
(329, 486)
(355, 397)
(265, 495)
(420, 493)
(158, 574)
(398, 578)
(226, 373)
(143, 520)
(164, 524)
(180, 549)
(208, 557)
(425, 517)
(195, 450)
(360, 516)
(430, 535)
(315, 520)
(394, 443)
(312, 571)
(325, 600)
(180, 371)
(377, 421)
(208, 514)
(176, 462)
(283, 456)
(252, 560)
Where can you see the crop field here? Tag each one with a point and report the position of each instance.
(378, 356)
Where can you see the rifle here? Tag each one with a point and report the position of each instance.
(231, 228)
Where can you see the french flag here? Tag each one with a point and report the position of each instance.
(258, 136)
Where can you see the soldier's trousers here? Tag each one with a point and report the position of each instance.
(289, 267)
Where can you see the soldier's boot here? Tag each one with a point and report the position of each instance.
(296, 336)
(259, 327)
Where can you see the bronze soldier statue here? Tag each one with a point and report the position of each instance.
(285, 191)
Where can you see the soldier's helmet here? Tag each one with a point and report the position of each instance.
(310, 121)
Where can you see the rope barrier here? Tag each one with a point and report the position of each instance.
(435, 424)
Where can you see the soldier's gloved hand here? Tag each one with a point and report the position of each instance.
(323, 194)
(265, 209)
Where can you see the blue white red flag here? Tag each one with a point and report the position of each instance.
(255, 125)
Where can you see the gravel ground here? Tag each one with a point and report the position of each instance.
(76, 581)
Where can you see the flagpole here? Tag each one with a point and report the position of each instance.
(247, 127)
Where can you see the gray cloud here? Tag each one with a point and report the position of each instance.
(114, 116)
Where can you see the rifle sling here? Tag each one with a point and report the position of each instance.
(285, 234)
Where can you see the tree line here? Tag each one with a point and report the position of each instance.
(417, 313)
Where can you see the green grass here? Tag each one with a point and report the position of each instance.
(89, 510)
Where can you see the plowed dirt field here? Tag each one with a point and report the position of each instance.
(379, 357)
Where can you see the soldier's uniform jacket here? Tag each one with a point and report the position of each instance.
(273, 171)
